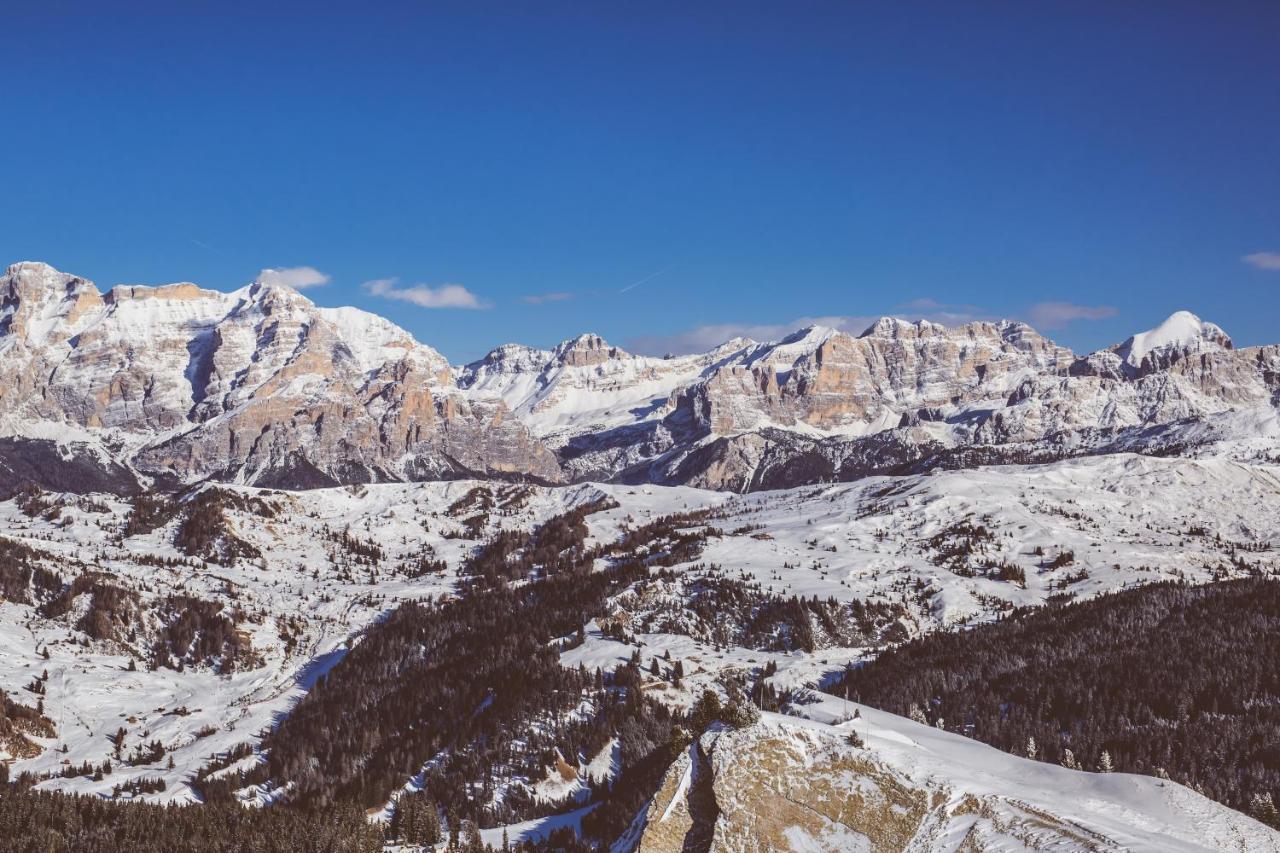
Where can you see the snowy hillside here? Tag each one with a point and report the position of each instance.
(315, 567)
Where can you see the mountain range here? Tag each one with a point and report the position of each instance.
(169, 385)
(259, 552)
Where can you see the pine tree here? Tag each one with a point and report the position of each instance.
(706, 711)
(427, 824)
(453, 829)
(1069, 760)
(1104, 763)
(1032, 749)
(470, 841)
(918, 715)
(1263, 808)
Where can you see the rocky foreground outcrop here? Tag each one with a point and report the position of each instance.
(791, 784)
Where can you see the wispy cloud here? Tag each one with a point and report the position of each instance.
(444, 296)
(299, 278)
(1055, 315)
(540, 298)
(1263, 260)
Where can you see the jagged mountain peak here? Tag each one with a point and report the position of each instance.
(505, 358)
(1182, 331)
(587, 349)
(900, 328)
(896, 327)
(39, 304)
(35, 277)
(814, 334)
(261, 384)
(181, 290)
(19, 267)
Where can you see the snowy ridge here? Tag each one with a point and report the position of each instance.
(798, 784)
(1182, 330)
(179, 384)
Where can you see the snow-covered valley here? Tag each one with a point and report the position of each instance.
(303, 573)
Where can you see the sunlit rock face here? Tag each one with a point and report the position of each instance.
(260, 385)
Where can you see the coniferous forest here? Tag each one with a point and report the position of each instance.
(464, 697)
(1164, 680)
(460, 694)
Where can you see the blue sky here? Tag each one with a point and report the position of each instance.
(663, 174)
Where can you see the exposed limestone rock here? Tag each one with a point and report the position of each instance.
(245, 385)
(789, 784)
(261, 385)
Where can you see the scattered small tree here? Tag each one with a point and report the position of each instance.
(1263, 808)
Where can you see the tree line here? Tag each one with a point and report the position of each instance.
(1166, 680)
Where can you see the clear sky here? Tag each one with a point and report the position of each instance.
(664, 174)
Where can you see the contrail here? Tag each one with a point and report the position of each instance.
(649, 277)
(205, 246)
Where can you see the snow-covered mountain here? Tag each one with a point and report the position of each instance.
(825, 405)
(259, 384)
(179, 384)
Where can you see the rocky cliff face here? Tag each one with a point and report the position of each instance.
(262, 386)
(258, 385)
(824, 404)
(878, 783)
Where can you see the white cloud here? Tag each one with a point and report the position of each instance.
(540, 298)
(1055, 315)
(298, 278)
(1263, 260)
(444, 296)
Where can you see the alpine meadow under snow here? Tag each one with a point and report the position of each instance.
(286, 565)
